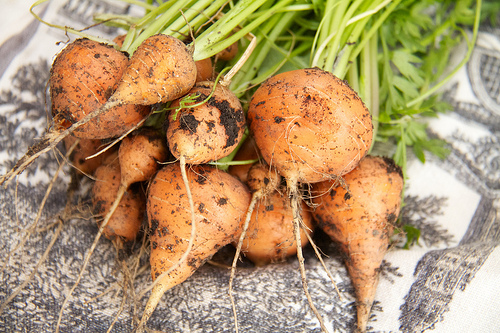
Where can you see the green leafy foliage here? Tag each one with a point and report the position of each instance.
(412, 235)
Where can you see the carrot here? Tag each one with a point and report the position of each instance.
(86, 148)
(262, 181)
(221, 201)
(228, 53)
(138, 160)
(82, 78)
(208, 128)
(360, 218)
(247, 152)
(204, 69)
(270, 233)
(118, 40)
(127, 218)
(160, 70)
(140, 154)
(311, 126)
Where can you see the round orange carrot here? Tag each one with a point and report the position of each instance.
(82, 78)
(160, 70)
(310, 125)
(126, 220)
(270, 236)
(247, 152)
(205, 71)
(228, 53)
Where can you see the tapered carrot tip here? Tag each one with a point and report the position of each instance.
(364, 272)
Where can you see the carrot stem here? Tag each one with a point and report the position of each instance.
(214, 39)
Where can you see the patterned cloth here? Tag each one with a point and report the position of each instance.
(449, 282)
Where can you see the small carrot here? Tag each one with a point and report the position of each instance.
(248, 151)
(82, 78)
(204, 70)
(270, 236)
(86, 148)
(126, 220)
(360, 216)
(206, 128)
(180, 245)
(228, 53)
(160, 70)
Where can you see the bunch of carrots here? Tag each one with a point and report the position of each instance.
(224, 127)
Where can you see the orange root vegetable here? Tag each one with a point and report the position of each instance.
(310, 125)
(127, 218)
(160, 70)
(119, 40)
(208, 131)
(228, 53)
(247, 152)
(221, 201)
(205, 71)
(270, 236)
(262, 181)
(360, 218)
(86, 148)
(82, 78)
(140, 154)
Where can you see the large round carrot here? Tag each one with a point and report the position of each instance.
(360, 217)
(82, 78)
(177, 249)
(310, 125)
